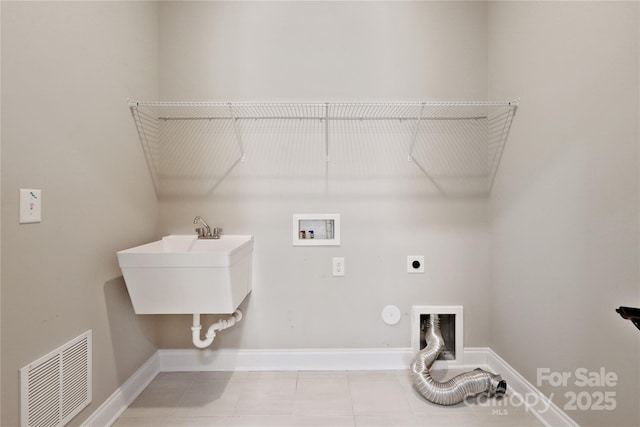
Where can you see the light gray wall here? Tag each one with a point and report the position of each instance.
(314, 51)
(561, 251)
(67, 70)
(0, 212)
(333, 51)
(564, 209)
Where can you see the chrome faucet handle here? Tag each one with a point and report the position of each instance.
(217, 231)
(202, 232)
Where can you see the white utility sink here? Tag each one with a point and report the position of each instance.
(181, 274)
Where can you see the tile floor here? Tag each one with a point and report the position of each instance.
(307, 398)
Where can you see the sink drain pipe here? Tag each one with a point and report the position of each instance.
(457, 388)
(211, 332)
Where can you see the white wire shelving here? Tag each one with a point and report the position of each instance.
(203, 142)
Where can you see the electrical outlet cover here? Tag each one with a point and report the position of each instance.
(415, 264)
(338, 266)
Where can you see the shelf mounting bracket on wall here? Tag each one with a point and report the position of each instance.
(237, 131)
(415, 132)
(326, 131)
(414, 138)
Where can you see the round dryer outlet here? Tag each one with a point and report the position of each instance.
(415, 264)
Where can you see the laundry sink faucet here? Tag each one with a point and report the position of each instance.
(205, 231)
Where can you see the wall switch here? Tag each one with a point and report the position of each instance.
(30, 206)
(415, 264)
(338, 266)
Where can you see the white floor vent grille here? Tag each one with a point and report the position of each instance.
(56, 387)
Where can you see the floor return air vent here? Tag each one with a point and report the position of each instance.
(57, 386)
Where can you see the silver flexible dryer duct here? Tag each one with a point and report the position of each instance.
(457, 388)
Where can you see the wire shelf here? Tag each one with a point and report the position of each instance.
(193, 147)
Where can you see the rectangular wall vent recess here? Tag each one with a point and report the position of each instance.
(57, 386)
(451, 329)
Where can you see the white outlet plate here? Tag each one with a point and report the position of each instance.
(30, 206)
(338, 266)
(415, 264)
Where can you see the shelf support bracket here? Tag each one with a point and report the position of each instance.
(414, 138)
(236, 129)
(152, 161)
(497, 155)
(326, 131)
(326, 148)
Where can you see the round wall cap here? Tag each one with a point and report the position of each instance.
(391, 314)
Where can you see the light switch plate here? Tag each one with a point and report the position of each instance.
(30, 206)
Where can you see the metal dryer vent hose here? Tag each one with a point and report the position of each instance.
(457, 388)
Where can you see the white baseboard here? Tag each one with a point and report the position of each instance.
(537, 403)
(285, 360)
(316, 360)
(115, 405)
(354, 359)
